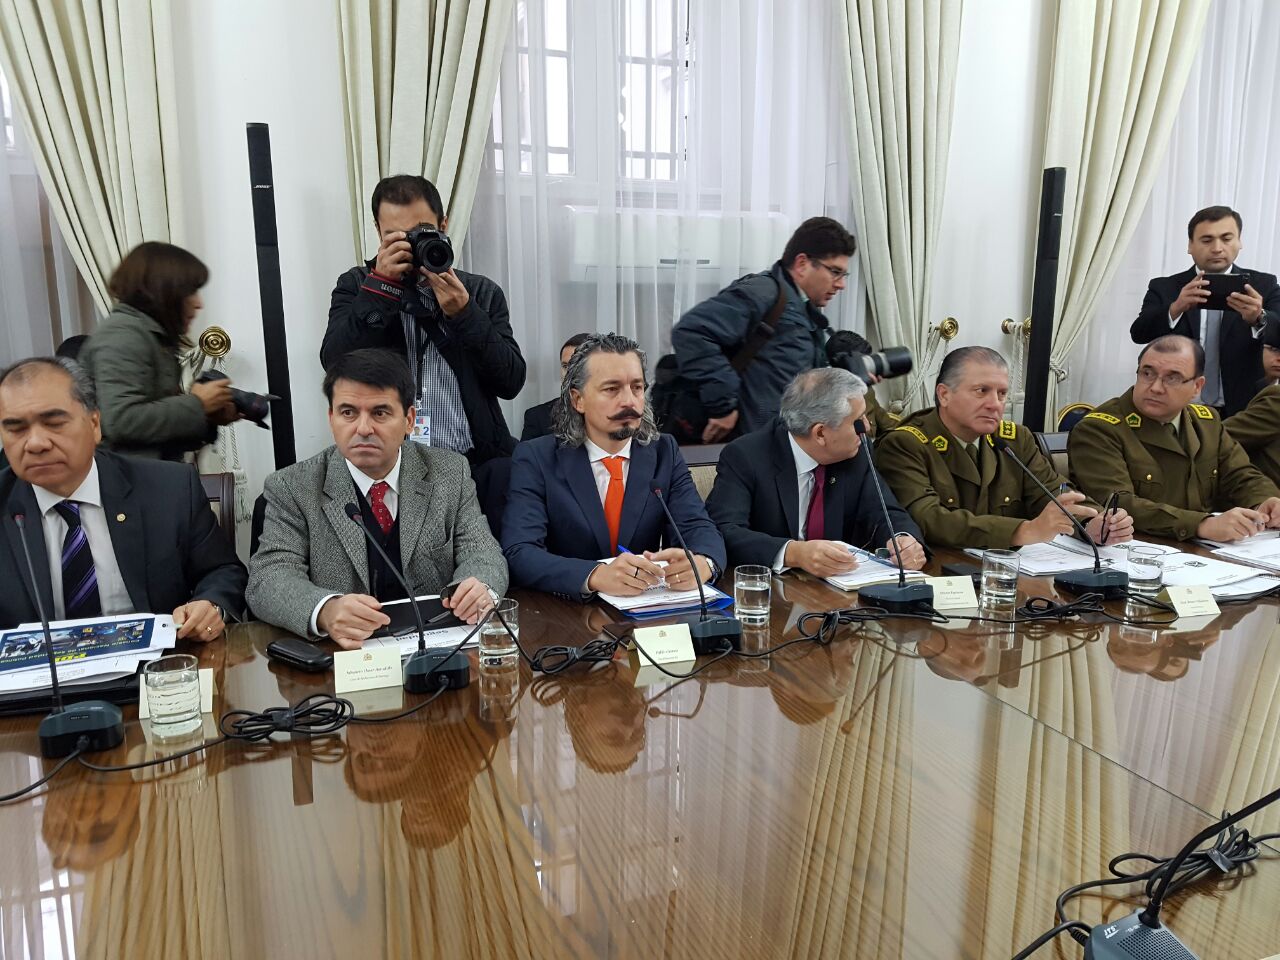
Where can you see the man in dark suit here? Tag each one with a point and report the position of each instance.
(1232, 338)
(108, 534)
(786, 495)
(582, 516)
(539, 421)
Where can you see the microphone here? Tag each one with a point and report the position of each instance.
(100, 725)
(1111, 584)
(709, 632)
(900, 597)
(424, 663)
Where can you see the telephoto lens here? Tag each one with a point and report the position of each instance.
(254, 407)
(850, 352)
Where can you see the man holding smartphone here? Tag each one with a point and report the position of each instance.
(1233, 329)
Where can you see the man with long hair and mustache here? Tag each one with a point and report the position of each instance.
(582, 516)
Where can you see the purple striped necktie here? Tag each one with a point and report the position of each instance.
(79, 576)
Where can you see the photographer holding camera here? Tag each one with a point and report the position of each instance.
(451, 326)
(134, 358)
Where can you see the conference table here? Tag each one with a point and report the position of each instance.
(909, 789)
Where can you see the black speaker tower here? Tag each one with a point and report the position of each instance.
(274, 339)
(1043, 294)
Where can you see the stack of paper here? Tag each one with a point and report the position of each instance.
(87, 651)
(403, 629)
(1261, 551)
(660, 600)
(870, 569)
(1064, 553)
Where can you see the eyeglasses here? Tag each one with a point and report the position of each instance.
(835, 272)
(1171, 380)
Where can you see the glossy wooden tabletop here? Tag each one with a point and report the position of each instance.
(910, 790)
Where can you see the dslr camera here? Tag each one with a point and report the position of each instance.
(431, 248)
(847, 350)
(251, 406)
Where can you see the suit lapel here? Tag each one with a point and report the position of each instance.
(833, 502)
(785, 479)
(639, 490)
(123, 508)
(575, 470)
(1157, 435)
(1189, 432)
(23, 501)
(339, 490)
(415, 501)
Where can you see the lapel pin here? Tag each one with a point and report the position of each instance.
(120, 518)
(831, 481)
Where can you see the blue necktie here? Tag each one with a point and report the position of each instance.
(79, 576)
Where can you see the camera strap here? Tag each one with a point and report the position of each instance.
(761, 332)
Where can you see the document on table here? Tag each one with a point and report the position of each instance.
(1064, 553)
(90, 650)
(1261, 551)
(443, 639)
(870, 569)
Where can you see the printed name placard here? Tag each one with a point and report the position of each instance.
(953, 593)
(669, 643)
(366, 669)
(1192, 601)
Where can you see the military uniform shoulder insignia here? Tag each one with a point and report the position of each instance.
(940, 443)
(1201, 411)
(1133, 420)
(918, 434)
(1104, 417)
(1008, 430)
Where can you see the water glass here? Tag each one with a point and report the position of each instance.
(497, 646)
(1146, 571)
(751, 593)
(499, 689)
(1000, 577)
(173, 695)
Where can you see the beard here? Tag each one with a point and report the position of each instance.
(625, 432)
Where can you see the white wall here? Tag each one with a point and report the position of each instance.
(242, 61)
(985, 254)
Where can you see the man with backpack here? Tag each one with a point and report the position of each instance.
(744, 345)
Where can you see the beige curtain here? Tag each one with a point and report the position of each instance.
(418, 82)
(1119, 68)
(899, 63)
(94, 83)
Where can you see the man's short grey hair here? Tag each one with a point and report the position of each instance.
(82, 389)
(953, 364)
(570, 425)
(820, 396)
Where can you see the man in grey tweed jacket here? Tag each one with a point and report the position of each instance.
(314, 573)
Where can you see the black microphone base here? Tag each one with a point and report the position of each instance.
(895, 598)
(452, 671)
(711, 635)
(1112, 584)
(99, 723)
(1129, 938)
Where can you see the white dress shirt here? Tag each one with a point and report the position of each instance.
(112, 593)
(364, 483)
(805, 466)
(598, 456)
(1213, 318)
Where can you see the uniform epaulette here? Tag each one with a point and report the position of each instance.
(918, 434)
(1104, 417)
(1008, 430)
(1201, 411)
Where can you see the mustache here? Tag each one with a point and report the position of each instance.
(630, 413)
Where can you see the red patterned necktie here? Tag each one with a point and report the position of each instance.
(378, 503)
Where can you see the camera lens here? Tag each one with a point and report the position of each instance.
(889, 362)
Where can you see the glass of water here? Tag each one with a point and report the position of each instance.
(1146, 570)
(1000, 577)
(751, 593)
(497, 645)
(173, 695)
(499, 689)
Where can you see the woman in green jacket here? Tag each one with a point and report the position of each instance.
(133, 357)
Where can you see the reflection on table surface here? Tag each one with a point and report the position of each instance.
(909, 790)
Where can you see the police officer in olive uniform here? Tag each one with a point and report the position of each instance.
(943, 467)
(1169, 459)
(1257, 429)
(879, 417)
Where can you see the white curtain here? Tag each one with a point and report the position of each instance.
(94, 83)
(645, 154)
(417, 86)
(1224, 148)
(43, 299)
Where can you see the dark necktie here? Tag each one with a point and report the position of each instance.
(79, 576)
(813, 524)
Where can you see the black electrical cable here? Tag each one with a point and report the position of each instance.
(403, 713)
(1073, 926)
(57, 768)
(100, 768)
(318, 715)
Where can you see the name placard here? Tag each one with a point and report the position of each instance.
(366, 669)
(953, 593)
(1192, 601)
(668, 643)
(206, 694)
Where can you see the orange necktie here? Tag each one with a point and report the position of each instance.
(613, 501)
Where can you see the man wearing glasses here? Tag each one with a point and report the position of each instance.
(1174, 467)
(780, 312)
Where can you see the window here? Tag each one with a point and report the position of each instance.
(546, 22)
(652, 88)
(6, 116)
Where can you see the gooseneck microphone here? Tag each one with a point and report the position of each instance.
(900, 597)
(424, 663)
(709, 633)
(1111, 584)
(90, 725)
